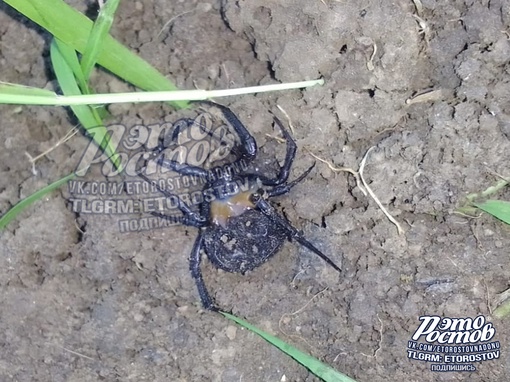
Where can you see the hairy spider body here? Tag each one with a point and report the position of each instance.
(239, 230)
(247, 241)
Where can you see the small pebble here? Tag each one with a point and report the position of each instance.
(204, 7)
(231, 332)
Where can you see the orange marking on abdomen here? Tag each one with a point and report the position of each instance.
(222, 210)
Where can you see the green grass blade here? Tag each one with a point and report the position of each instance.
(65, 63)
(16, 209)
(69, 54)
(190, 95)
(98, 34)
(71, 60)
(497, 208)
(12, 91)
(502, 311)
(73, 28)
(318, 368)
(61, 57)
(489, 191)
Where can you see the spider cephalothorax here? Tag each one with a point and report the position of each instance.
(238, 230)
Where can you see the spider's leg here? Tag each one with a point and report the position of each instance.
(283, 175)
(190, 218)
(289, 158)
(284, 188)
(158, 156)
(248, 144)
(164, 139)
(263, 206)
(196, 273)
(158, 153)
(182, 168)
(178, 127)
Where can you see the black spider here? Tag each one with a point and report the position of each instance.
(238, 231)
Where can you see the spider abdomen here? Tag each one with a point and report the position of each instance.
(247, 241)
